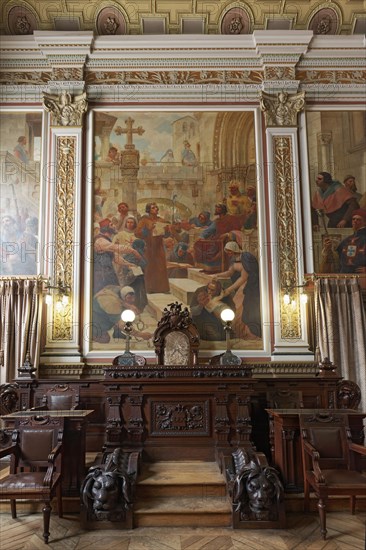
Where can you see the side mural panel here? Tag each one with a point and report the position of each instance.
(337, 157)
(20, 152)
(175, 219)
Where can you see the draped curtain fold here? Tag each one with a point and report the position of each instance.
(20, 302)
(341, 328)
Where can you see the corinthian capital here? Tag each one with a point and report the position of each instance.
(281, 109)
(66, 110)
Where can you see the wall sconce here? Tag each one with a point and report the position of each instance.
(228, 358)
(60, 292)
(128, 359)
(289, 299)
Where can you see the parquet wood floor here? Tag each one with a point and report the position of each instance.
(345, 532)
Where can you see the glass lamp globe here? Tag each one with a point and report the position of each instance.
(128, 316)
(227, 315)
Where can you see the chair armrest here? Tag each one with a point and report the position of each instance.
(55, 452)
(51, 464)
(311, 450)
(11, 450)
(361, 449)
(308, 447)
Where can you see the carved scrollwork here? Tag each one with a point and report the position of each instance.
(180, 418)
(64, 227)
(286, 230)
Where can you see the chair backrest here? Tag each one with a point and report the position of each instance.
(176, 338)
(61, 397)
(329, 433)
(348, 395)
(37, 436)
(284, 399)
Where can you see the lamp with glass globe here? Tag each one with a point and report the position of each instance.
(228, 358)
(127, 358)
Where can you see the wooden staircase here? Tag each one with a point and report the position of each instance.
(176, 494)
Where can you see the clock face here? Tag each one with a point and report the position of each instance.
(177, 351)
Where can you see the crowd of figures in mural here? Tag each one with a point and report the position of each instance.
(172, 222)
(337, 154)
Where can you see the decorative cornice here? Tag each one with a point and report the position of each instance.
(175, 77)
(202, 63)
(259, 370)
(264, 60)
(325, 76)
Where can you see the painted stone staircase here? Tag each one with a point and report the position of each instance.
(176, 494)
(181, 289)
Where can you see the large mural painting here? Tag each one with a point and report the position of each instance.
(175, 219)
(20, 151)
(337, 166)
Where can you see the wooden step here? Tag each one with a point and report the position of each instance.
(181, 493)
(181, 511)
(180, 478)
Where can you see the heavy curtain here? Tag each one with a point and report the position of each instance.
(20, 301)
(341, 328)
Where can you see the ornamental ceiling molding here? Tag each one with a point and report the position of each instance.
(217, 16)
(171, 69)
(337, 77)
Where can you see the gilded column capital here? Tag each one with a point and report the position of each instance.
(281, 109)
(66, 109)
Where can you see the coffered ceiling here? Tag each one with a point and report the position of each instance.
(135, 17)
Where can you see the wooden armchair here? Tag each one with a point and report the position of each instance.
(60, 397)
(35, 467)
(330, 461)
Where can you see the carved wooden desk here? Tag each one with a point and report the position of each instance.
(178, 412)
(287, 444)
(73, 456)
